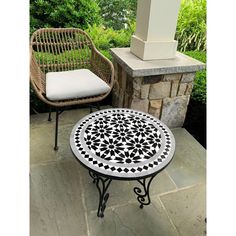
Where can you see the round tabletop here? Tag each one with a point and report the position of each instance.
(122, 143)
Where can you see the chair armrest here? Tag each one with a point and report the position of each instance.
(102, 67)
(37, 78)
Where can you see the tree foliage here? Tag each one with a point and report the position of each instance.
(117, 14)
(63, 13)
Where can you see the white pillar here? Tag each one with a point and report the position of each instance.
(155, 29)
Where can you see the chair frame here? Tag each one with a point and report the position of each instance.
(58, 43)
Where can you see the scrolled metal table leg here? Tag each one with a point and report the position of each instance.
(102, 184)
(143, 196)
(93, 176)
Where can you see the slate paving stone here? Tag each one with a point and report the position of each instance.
(42, 143)
(120, 192)
(73, 116)
(56, 206)
(188, 166)
(130, 220)
(160, 184)
(40, 119)
(187, 209)
(66, 117)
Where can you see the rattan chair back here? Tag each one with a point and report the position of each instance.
(61, 49)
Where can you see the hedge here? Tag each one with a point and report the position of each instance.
(66, 13)
(199, 93)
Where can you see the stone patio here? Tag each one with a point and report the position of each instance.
(64, 199)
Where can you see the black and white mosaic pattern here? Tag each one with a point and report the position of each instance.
(122, 143)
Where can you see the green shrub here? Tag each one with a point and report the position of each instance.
(106, 38)
(199, 89)
(191, 27)
(63, 13)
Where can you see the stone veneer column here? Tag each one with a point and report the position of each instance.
(161, 88)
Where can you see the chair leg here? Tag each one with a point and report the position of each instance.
(94, 106)
(98, 106)
(49, 114)
(56, 130)
(91, 109)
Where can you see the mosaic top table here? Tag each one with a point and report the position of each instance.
(122, 144)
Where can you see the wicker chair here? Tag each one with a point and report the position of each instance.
(57, 52)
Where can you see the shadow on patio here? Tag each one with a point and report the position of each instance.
(64, 200)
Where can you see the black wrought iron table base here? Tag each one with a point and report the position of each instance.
(103, 183)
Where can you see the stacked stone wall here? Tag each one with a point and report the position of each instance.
(163, 96)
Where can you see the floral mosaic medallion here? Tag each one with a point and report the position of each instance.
(122, 142)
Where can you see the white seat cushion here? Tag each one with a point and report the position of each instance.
(74, 84)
